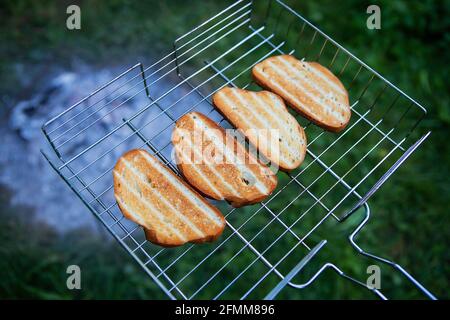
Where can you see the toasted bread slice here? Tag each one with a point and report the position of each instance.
(171, 213)
(311, 89)
(259, 116)
(217, 165)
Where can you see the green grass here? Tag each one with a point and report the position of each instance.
(409, 221)
(35, 258)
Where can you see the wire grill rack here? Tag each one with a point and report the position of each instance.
(265, 245)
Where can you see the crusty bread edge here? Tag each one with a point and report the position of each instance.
(265, 85)
(234, 202)
(299, 128)
(150, 234)
(237, 202)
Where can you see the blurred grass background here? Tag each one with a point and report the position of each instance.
(410, 222)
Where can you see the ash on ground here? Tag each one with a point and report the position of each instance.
(26, 173)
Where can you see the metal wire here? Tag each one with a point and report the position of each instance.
(339, 169)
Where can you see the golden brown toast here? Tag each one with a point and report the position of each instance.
(170, 211)
(311, 89)
(217, 165)
(257, 113)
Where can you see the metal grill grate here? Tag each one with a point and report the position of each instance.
(260, 250)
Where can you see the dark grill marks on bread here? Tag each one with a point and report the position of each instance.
(255, 114)
(171, 213)
(308, 87)
(232, 174)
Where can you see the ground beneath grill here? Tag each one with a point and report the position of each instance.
(24, 172)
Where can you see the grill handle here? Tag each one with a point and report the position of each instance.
(287, 280)
(387, 175)
(386, 261)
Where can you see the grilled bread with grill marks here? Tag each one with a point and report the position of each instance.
(311, 89)
(217, 165)
(171, 213)
(256, 114)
